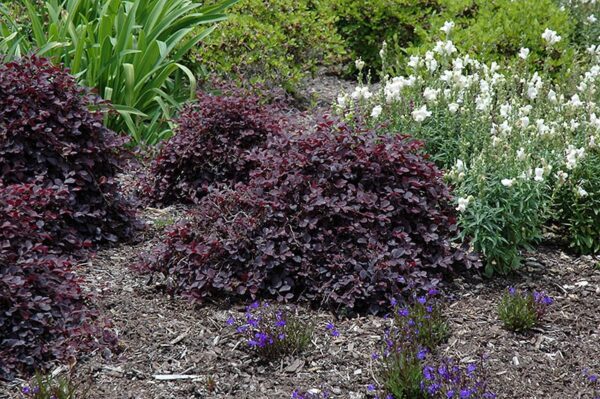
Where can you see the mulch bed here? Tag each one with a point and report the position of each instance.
(161, 335)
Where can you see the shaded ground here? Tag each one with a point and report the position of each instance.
(160, 335)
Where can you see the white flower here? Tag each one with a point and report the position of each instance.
(453, 107)
(421, 114)
(539, 174)
(573, 155)
(592, 19)
(462, 204)
(524, 53)
(342, 100)
(581, 192)
(505, 109)
(460, 165)
(383, 49)
(551, 37)
(361, 92)
(521, 154)
(376, 111)
(507, 182)
(592, 143)
(523, 122)
(448, 25)
(360, 64)
(532, 92)
(552, 97)
(562, 176)
(444, 48)
(430, 94)
(575, 102)
(525, 110)
(414, 62)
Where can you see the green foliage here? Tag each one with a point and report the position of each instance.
(401, 375)
(277, 42)
(497, 30)
(365, 24)
(585, 18)
(578, 205)
(49, 387)
(520, 311)
(501, 221)
(416, 330)
(130, 51)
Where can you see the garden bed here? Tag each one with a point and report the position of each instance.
(167, 336)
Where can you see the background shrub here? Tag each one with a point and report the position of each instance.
(51, 133)
(119, 48)
(365, 24)
(214, 138)
(497, 30)
(273, 41)
(339, 216)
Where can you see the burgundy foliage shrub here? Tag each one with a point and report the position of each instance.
(340, 216)
(43, 312)
(212, 143)
(51, 134)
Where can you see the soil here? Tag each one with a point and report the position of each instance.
(165, 336)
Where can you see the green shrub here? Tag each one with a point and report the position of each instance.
(277, 42)
(497, 30)
(130, 51)
(365, 24)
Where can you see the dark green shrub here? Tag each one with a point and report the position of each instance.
(496, 30)
(365, 24)
(273, 41)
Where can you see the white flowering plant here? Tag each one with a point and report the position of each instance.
(519, 149)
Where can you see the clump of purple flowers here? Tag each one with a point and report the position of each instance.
(48, 387)
(449, 379)
(519, 311)
(415, 330)
(272, 331)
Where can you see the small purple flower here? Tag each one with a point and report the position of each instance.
(593, 378)
(332, 329)
(465, 393)
(403, 312)
(428, 372)
(280, 323)
(230, 321)
(374, 356)
(433, 292)
(370, 387)
(450, 394)
(393, 302)
(512, 291)
(422, 354)
(547, 300)
(471, 367)
(26, 390)
(422, 300)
